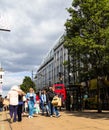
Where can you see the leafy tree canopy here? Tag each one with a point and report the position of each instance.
(27, 83)
(87, 34)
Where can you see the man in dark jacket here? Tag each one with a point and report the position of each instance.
(53, 109)
(50, 95)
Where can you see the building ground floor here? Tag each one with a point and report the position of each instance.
(80, 98)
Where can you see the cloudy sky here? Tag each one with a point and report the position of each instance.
(35, 26)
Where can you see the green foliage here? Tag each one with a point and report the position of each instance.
(27, 83)
(87, 36)
(65, 63)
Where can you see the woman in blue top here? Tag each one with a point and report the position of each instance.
(31, 97)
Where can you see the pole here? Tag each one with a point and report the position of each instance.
(32, 75)
(5, 30)
(69, 67)
(98, 95)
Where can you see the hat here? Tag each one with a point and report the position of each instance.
(16, 88)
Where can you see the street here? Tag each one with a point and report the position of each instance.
(87, 120)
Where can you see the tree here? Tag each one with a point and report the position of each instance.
(87, 38)
(27, 83)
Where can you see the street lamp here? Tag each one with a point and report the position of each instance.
(1, 69)
(61, 77)
(1, 29)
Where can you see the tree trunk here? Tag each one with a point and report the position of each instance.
(99, 107)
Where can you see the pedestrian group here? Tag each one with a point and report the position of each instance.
(31, 103)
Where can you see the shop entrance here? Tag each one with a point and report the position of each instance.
(74, 98)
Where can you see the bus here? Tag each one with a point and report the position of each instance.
(60, 89)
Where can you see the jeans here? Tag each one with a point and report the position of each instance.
(13, 111)
(44, 107)
(56, 111)
(19, 112)
(51, 108)
(1, 106)
(31, 108)
(1, 109)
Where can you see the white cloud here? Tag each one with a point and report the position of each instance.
(35, 26)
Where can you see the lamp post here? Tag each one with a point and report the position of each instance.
(1, 29)
(1, 69)
(60, 77)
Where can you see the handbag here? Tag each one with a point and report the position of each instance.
(6, 102)
(59, 102)
(55, 101)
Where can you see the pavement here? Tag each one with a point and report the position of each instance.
(86, 120)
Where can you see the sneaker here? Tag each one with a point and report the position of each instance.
(29, 116)
(19, 120)
(58, 115)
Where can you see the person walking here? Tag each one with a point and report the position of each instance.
(1, 103)
(12, 96)
(31, 97)
(5, 104)
(53, 109)
(37, 103)
(50, 95)
(44, 102)
(56, 107)
(20, 105)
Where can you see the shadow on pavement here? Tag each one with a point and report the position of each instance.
(89, 114)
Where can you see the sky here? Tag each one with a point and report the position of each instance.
(35, 26)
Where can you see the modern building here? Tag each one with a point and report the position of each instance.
(52, 69)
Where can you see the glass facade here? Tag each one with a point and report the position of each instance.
(52, 66)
